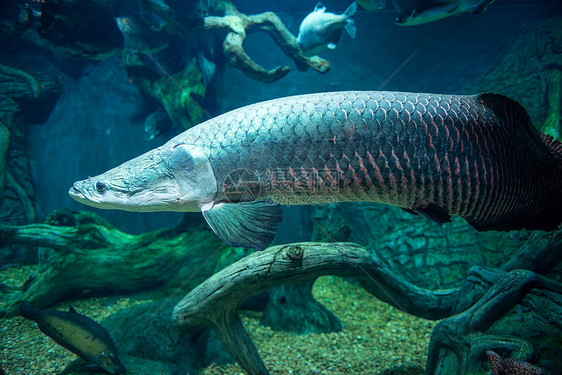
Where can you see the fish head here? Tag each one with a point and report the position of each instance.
(109, 361)
(173, 177)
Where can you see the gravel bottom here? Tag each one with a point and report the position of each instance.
(376, 338)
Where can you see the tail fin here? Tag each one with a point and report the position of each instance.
(350, 23)
(351, 9)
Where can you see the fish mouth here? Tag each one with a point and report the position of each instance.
(76, 194)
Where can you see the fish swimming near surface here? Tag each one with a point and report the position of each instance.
(373, 5)
(476, 156)
(426, 11)
(321, 29)
(77, 333)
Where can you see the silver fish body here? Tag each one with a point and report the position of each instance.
(477, 157)
(431, 11)
(321, 29)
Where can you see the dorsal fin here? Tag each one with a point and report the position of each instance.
(320, 7)
(510, 111)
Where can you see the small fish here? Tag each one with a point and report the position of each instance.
(26, 18)
(150, 19)
(474, 156)
(207, 67)
(373, 5)
(321, 29)
(77, 333)
(156, 123)
(426, 11)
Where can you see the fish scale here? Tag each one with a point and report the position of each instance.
(406, 149)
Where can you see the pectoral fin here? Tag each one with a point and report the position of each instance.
(248, 224)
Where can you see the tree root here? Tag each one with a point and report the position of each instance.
(464, 336)
(214, 303)
(238, 25)
(95, 257)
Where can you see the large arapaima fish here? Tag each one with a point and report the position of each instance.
(477, 157)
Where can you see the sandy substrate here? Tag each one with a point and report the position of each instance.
(376, 338)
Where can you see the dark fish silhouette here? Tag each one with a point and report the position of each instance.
(425, 11)
(477, 157)
(77, 333)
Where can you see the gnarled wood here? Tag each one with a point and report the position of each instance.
(238, 25)
(459, 343)
(540, 254)
(24, 97)
(214, 303)
(94, 256)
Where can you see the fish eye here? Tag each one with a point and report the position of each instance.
(100, 187)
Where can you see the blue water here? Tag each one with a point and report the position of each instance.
(98, 120)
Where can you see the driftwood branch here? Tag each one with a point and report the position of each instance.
(93, 256)
(540, 254)
(238, 25)
(214, 303)
(464, 335)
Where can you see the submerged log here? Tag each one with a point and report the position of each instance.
(93, 256)
(513, 318)
(238, 25)
(24, 97)
(214, 303)
(292, 308)
(540, 254)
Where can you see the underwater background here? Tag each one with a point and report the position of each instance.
(66, 114)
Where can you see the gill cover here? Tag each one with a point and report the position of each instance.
(169, 178)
